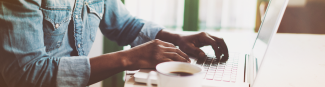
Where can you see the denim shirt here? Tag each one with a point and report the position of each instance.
(45, 43)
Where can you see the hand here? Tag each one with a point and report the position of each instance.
(149, 54)
(190, 45)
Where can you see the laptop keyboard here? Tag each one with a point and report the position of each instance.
(217, 70)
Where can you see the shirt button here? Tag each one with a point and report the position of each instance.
(57, 25)
(78, 45)
(76, 16)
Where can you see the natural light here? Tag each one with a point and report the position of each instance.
(214, 15)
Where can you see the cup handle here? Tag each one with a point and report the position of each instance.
(149, 84)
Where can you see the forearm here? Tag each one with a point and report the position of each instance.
(106, 65)
(168, 37)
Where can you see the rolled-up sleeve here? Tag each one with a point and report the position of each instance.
(120, 26)
(73, 71)
(147, 33)
(117, 24)
(24, 61)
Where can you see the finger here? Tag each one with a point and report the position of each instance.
(164, 60)
(194, 51)
(206, 38)
(174, 56)
(178, 51)
(222, 47)
(166, 44)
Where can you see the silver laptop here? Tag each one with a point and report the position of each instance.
(240, 69)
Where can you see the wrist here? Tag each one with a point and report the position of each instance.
(125, 59)
(169, 37)
(177, 39)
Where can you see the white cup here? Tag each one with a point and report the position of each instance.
(167, 79)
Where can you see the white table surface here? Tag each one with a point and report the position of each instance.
(293, 60)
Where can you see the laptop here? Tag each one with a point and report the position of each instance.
(240, 69)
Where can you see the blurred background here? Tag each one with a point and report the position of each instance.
(301, 16)
(196, 15)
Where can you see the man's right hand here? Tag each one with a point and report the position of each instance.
(149, 54)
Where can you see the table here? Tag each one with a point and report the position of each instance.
(293, 60)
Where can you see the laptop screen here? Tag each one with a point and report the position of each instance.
(269, 27)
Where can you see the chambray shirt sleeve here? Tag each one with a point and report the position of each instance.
(147, 33)
(24, 61)
(120, 26)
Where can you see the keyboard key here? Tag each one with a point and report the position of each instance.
(219, 71)
(217, 79)
(213, 67)
(221, 68)
(227, 74)
(227, 71)
(206, 65)
(226, 79)
(228, 66)
(209, 75)
(209, 78)
(214, 64)
(211, 72)
(205, 71)
(218, 74)
(221, 65)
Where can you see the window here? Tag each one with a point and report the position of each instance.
(214, 15)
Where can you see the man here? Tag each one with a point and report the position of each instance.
(45, 43)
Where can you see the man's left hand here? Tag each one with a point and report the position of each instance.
(190, 44)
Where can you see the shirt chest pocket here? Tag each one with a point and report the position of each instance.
(55, 24)
(95, 10)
